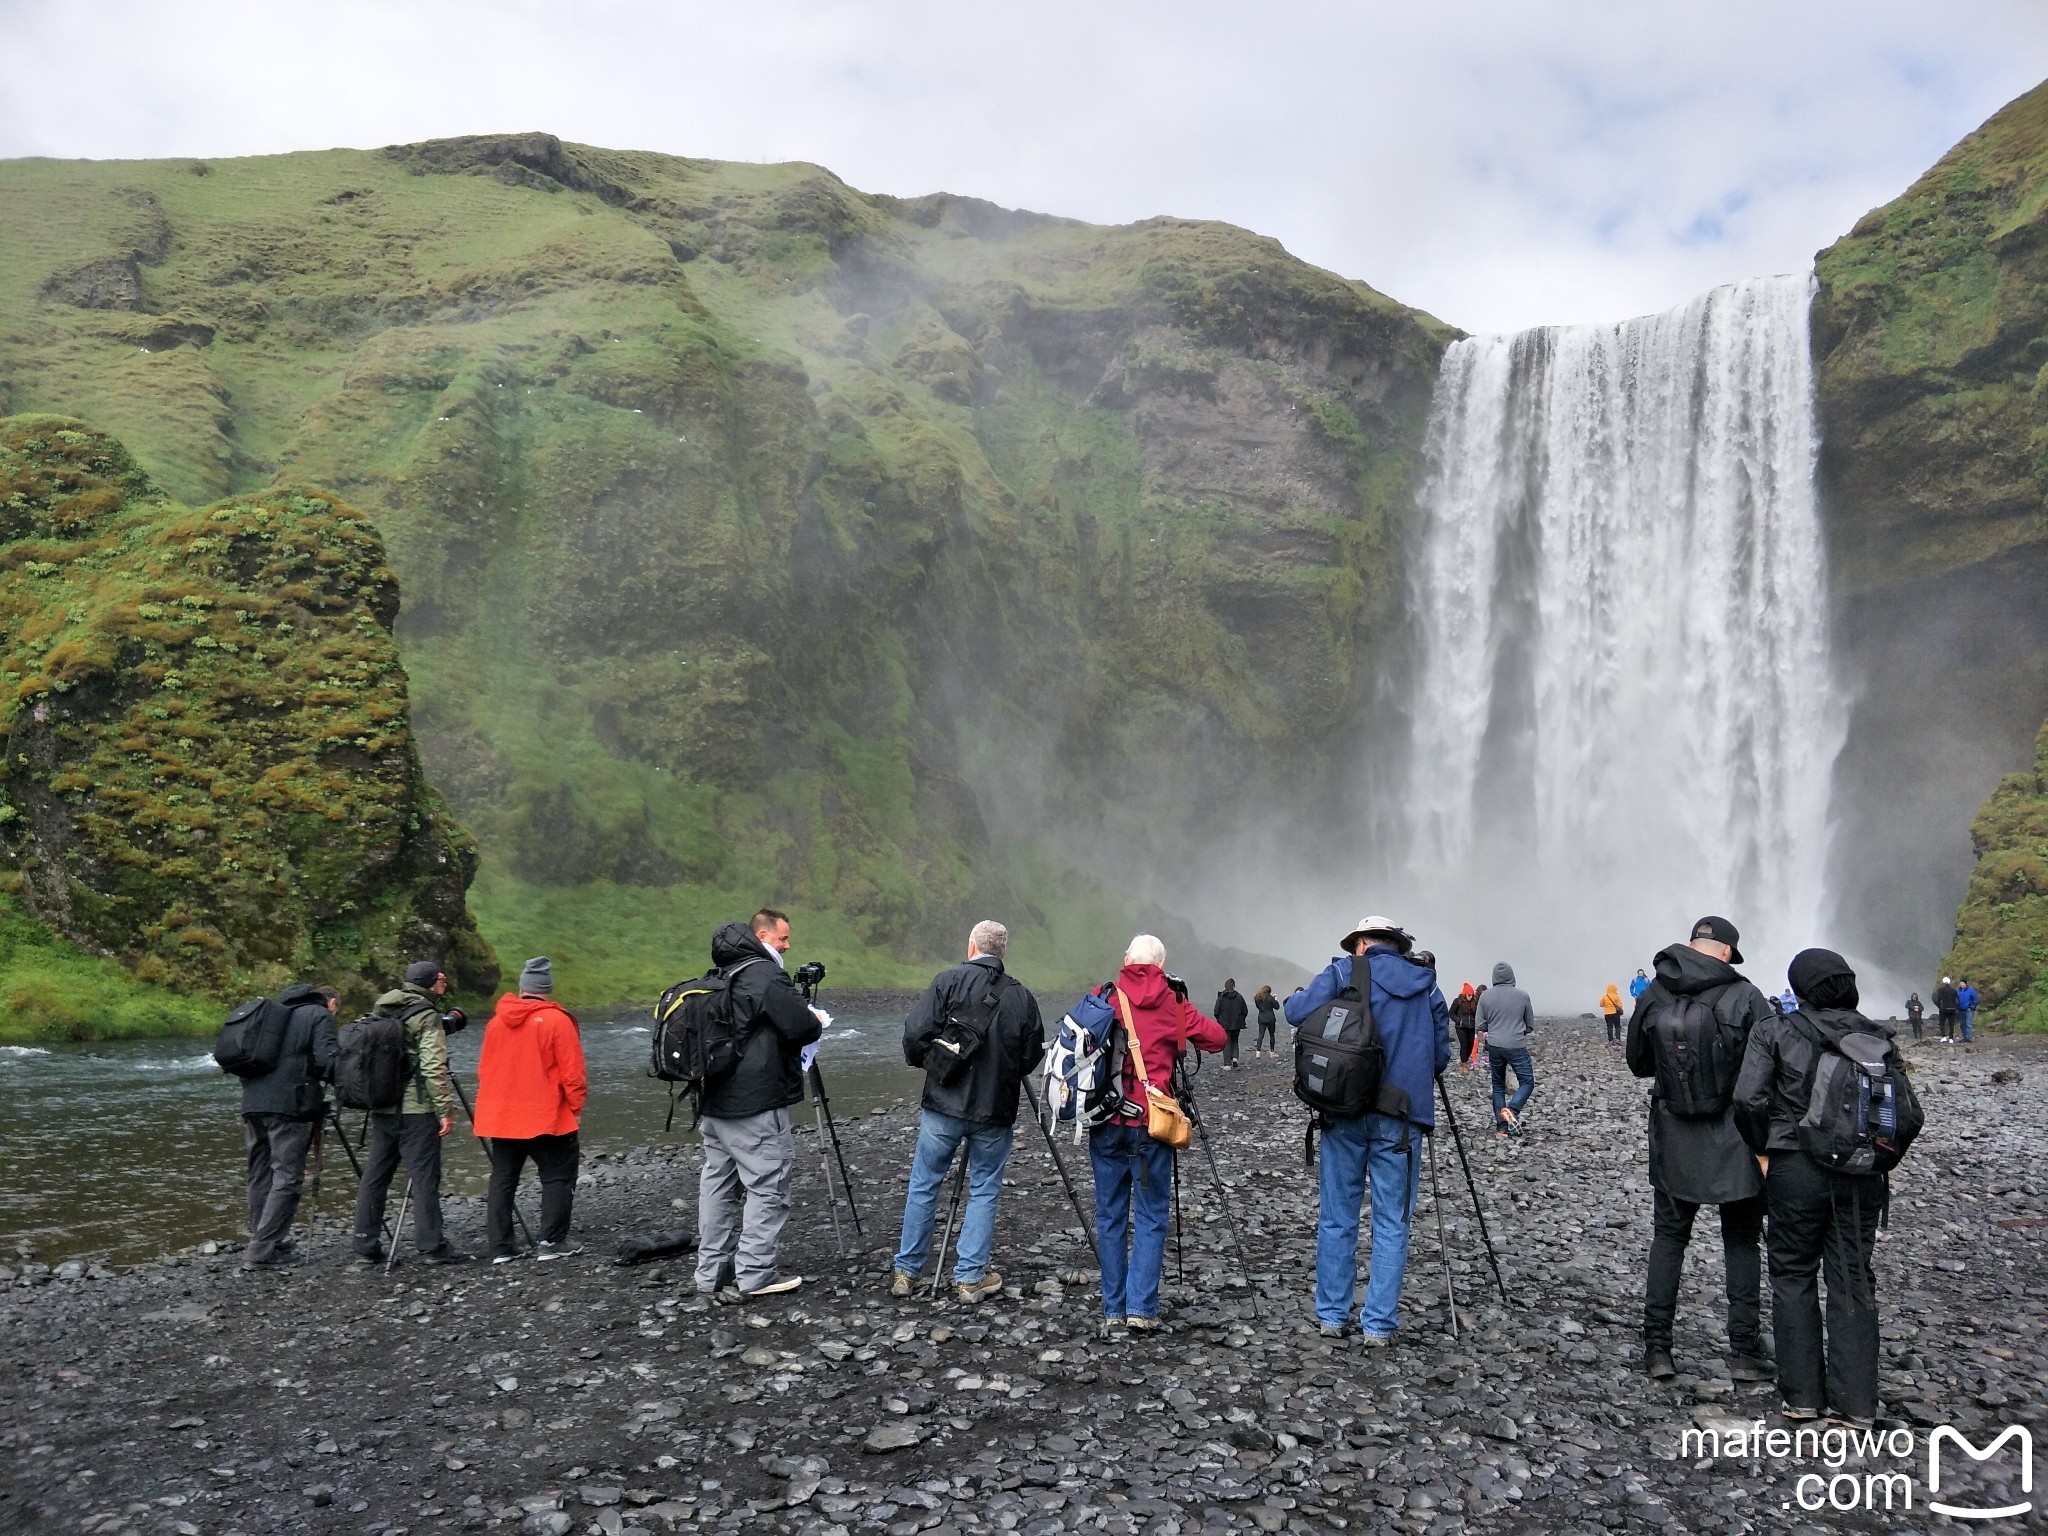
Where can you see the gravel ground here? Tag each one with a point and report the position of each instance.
(187, 1396)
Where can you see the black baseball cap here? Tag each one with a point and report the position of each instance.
(1721, 931)
(421, 973)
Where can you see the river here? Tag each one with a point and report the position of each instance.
(124, 1150)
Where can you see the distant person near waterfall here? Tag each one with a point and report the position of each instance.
(1966, 1009)
(1639, 986)
(1504, 1021)
(1948, 1008)
(1268, 1007)
(1916, 1015)
(1610, 1006)
(1463, 1006)
(1231, 1013)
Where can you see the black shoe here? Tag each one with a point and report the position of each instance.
(1657, 1363)
(1752, 1366)
(374, 1256)
(447, 1255)
(274, 1262)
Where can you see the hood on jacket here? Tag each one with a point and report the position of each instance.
(1144, 985)
(405, 1000)
(300, 993)
(514, 1010)
(1397, 975)
(734, 942)
(1684, 971)
(1503, 975)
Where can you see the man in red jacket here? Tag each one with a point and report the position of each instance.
(1134, 1173)
(530, 1090)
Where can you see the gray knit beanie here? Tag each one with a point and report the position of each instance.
(537, 977)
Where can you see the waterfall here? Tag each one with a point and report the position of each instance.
(1622, 710)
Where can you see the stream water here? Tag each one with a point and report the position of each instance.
(127, 1149)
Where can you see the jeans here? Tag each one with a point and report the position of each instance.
(1969, 1016)
(1525, 1077)
(1387, 1154)
(276, 1149)
(554, 1159)
(1822, 1220)
(988, 1151)
(1133, 1198)
(739, 1237)
(1742, 1224)
(416, 1141)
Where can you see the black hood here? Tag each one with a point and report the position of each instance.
(1837, 1022)
(735, 942)
(299, 993)
(1683, 971)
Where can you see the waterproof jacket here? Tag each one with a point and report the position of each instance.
(1166, 1027)
(427, 1091)
(1946, 999)
(1915, 1009)
(529, 1077)
(1639, 986)
(1409, 1011)
(772, 1017)
(987, 1094)
(1966, 996)
(1702, 1159)
(1776, 1083)
(1505, 1013)
(1230, 1010)
(1610, 1000)
(1269, 1009)
(292, 1087)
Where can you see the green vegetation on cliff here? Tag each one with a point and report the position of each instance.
(2002, 933)
(899, 561)
(209, 773)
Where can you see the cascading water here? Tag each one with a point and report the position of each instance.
(1623, 713)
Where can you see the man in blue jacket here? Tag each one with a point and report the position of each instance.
(1383, 1147)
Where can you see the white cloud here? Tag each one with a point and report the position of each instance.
(1500, 162)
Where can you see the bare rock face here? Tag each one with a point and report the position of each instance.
(209, 770)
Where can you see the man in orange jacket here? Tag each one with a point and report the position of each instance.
(530, 1090)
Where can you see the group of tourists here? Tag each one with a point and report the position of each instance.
(1955, 1005)
(1754, 1110)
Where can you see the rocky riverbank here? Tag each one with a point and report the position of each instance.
(187, 1396)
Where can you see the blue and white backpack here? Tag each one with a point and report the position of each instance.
(1084, 1066)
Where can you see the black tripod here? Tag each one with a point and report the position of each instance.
(1052, 1146)
(823, 1106)
(1184, 1089)
(1458, 1141)
(470, 1115)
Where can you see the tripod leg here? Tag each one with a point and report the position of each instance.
(1472, 1187)
(952, 1212)
(469, 1114)
(825, 1159)
(1436, 1199)
(1229, 1216)
(391, 1252)
(1180, 1268)
(839, 1155)
(1073, 1198)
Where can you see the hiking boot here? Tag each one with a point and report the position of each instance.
(1330, 1330)
(506, 1258)
(561, 1250)
(1841, 1420)
(901, 1285)
(1375, 1340)
(447, 1254)
(1144, 1324)
(1657, 1363)
(1797, 1415)
(974, 1290)
(1752, 1365)
(275, 1261)
(781, 1285)
(373, 1257)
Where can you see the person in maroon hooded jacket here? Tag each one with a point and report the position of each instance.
(1134, 1173)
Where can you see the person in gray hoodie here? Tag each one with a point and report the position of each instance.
(1504, 1020)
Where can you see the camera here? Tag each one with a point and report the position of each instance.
(453, 1020)
(1178, 987)
(809, 974)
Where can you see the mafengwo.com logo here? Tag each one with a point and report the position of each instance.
(1817, 1461)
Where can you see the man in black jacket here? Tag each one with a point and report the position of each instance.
(748, 1149)
(977, 1033)
(1700, 1159)
(1818, 1217)
(1231, 1014)
(280, 1111)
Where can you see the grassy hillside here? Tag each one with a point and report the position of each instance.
(900, 562)
(209, 774)
(2002, 934)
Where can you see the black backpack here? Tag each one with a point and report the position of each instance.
(1340, 1065)
(252, 1039)
(1697, 1061)
(1861, 1112)
(961, 1037)
(697, 1037)
(373, 1064)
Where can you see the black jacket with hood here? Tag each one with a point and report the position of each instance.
(987, 1094)
(1700, 1159)
(1231, 1011)
(775, 1022)
(292, 1087)
(1776, 1083)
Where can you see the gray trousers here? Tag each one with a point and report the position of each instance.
(743, 1199)
(276, 1146)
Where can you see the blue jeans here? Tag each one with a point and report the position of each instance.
(1133, 1199)
(1969, 1025)
(988, 1150)
(1388, 1153)
(1525, 1077)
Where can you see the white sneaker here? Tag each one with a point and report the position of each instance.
(561, 1250)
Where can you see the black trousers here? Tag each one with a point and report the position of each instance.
(1742, 1225)
(275, 1146)
(555, 1159)
(1230, 1047)
(1950, 1018)
(1824, 1222)
(415, 1140)
(1613, 1027)
(1269, 1035)
(1465, 1030)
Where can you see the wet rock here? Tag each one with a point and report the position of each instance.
(898, 1435)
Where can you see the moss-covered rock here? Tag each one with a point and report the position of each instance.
(209, 772)
(2002, 932)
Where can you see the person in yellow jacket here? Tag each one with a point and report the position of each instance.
(1610, 1005)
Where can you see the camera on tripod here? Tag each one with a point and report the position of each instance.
(809, 974)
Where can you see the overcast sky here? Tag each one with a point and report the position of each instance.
(1502, 163)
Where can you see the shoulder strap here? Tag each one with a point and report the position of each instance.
(1137, 1049)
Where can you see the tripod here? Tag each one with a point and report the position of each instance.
(1052, 1146)
(1184, 1089)
(470, 1115)
(1458, 1141)
(822, 1105)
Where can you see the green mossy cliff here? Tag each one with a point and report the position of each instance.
(209, 774)
(1930, 332)
(907, 560)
